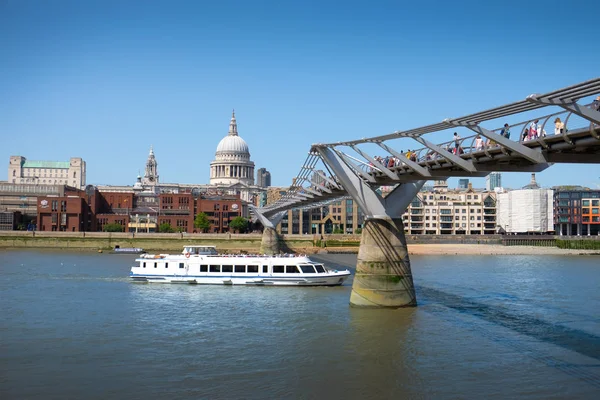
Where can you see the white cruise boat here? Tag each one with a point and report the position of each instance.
(203, 265)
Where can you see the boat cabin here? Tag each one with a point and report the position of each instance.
(200, 250)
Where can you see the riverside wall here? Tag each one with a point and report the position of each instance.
(236, 243)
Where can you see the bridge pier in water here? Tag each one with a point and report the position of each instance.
(383, 277)
(270, 241)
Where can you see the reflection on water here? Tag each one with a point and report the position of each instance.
(73, 326)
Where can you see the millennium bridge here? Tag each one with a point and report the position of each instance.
(357, 168)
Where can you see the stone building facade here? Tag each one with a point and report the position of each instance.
(71, 173)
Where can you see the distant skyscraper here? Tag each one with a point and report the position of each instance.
(316, 179)
(463, 183)
(493, 180)
(263, 177)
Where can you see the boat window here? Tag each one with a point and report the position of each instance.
(180, 265)
(253, 268)
(320, 268)
(215, 268)
(204, 268)
(144, 265)
(240, 268)
(265, 269)
(278, 269)
(307, 269)
(166, 265)
(227, 268)
(154, 265)
(291, 269)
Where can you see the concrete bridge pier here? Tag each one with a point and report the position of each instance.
(383, 276)
(270, 241)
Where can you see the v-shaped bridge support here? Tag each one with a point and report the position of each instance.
(383, 276)
(270, 242)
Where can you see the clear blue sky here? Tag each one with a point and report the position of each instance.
(104, 80)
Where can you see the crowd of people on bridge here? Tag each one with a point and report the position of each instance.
(532, 131)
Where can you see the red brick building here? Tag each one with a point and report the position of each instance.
(73, 212)
(92, 210)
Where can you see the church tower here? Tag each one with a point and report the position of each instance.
(151, 174)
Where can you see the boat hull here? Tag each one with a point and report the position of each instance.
(334, 279)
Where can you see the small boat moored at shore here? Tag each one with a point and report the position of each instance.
(128, 250)
(202, 265)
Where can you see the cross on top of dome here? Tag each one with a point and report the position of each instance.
(233, 125)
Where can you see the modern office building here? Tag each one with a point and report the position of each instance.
(493, 180)
(263, 178)
(576, 211)
(71, 173)
(463, 183)
(339, 217)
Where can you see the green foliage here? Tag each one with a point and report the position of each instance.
(202, 222)
(358, 231)
(21, 227)
(337, 231)
(112, 227)
(165, 227)
(239, 224)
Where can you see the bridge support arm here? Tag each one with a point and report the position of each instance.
(453, 158)
(516, 147)
(573, 106)
(383, 277)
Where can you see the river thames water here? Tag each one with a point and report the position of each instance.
(487, 327)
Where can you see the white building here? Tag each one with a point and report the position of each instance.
(71, 173)
(527, 210)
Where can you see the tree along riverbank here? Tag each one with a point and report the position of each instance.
(236, 243)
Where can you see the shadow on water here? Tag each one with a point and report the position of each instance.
(568, 338)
